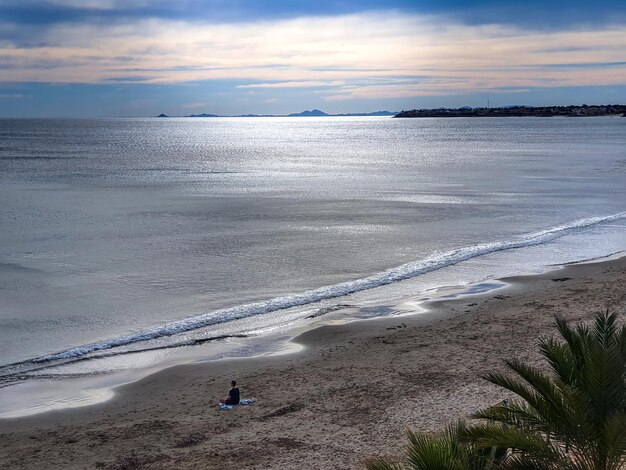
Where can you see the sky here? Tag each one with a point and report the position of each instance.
(115, 58)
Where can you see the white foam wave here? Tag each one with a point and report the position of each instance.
(406, 271)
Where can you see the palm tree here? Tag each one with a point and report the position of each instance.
(442, 452)
(572, 417)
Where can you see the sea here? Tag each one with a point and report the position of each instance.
(127, 245)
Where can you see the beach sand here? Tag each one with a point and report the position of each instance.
(346, 397)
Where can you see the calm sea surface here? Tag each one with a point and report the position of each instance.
(128, 234)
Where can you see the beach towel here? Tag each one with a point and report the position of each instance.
(245, 401)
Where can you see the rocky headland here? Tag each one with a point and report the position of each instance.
(541, 111)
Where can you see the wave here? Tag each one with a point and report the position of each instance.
(406, 271)
(15, 375)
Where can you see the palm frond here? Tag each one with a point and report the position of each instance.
(488, 436)
(434, 452)
(380, 464)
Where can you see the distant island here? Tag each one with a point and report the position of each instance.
(542, 111)
(317, 112)
(306, 113)
(201, 115)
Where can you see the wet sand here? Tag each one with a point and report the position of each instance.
(346, 397)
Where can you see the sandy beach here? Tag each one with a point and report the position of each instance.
(346, 397)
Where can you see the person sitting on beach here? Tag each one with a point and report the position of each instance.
(233, 395)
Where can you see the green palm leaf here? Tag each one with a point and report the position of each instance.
(574, 415)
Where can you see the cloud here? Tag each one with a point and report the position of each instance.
(498, 80)
(98, 4)
(89, 4)
(174, 51)
(295, 84)
(366, 55)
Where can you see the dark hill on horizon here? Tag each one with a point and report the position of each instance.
(203, 115)
(305, 113)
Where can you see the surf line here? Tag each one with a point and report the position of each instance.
(406, 271)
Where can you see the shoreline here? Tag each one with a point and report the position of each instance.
(347, 396)
(88, 390)
(594, 110)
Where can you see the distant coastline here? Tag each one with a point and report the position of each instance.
(519, 111)
(306, 113)
(466, 111)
